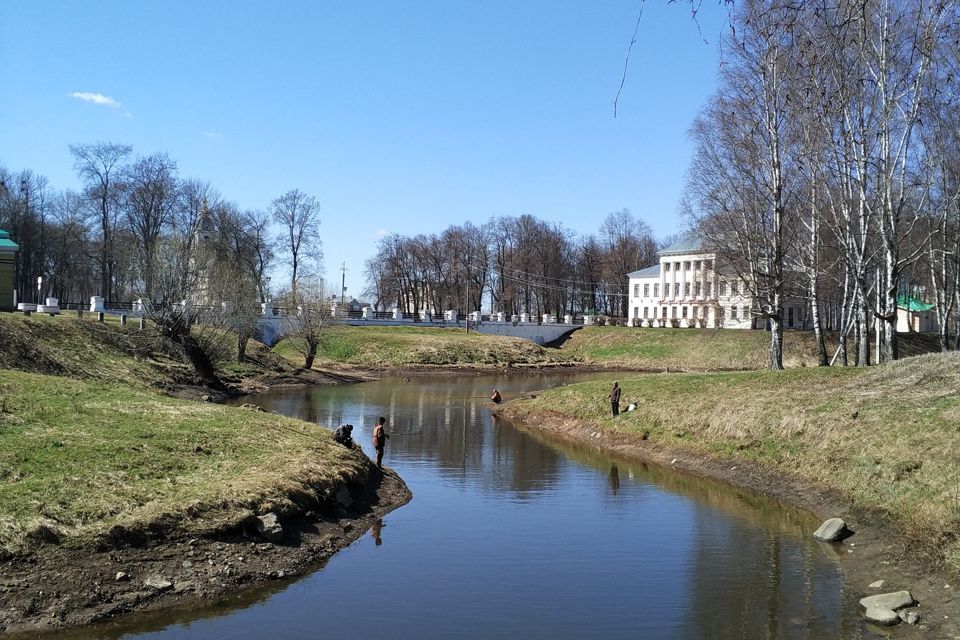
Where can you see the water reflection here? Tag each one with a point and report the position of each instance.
(514, 534)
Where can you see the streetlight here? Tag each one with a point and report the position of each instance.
(39, 284)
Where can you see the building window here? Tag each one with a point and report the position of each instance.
(694, 314)
(746, 313)
(699, 264)
(646, 291)
(790, 316)
(684, 311)
(723, 287)
(734, 288)
(636, 291)
(645, 309)
(656, 289)
(706, 264)
(733, 313)
(666, 266)
(709, 289)
(636, 312)
(686, 288)
(664, 312)
(674, 312)
(689, 265)
(699, 288)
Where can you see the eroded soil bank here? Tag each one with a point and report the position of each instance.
(55, 587)
(876, 551)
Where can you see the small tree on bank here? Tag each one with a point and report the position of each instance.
(309, 318)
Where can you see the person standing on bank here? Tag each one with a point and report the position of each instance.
(615, 398)
(380, 440)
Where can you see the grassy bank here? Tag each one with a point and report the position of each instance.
(886, 437)
(613, 347)
(701, 349)
(89, 459)
(416, 346)
(85, 349)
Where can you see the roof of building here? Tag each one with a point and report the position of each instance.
(690, 243)
(649, 272)
(6, 243)
(912, 304)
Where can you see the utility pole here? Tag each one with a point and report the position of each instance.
(466, 310)
(343, 281)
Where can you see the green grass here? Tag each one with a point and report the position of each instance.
(392, 346)
(887, 437)
(700, 349)
(84, 457)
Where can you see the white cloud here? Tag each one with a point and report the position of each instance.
(214, 136)
(381, 232)
(102, 100)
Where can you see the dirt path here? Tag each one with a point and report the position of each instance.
(58, 587)
(876, 551)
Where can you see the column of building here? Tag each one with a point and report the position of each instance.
(716, 290)
(673, 281)
(683, 285)
(705, 313)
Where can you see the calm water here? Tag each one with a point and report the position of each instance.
(511, 535)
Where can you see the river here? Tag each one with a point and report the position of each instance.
(512, 535)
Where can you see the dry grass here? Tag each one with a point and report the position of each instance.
(888, 437)
(378, 346)
(701, 349)
(87, 458)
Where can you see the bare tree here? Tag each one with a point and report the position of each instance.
(745, 150)
(150, 203)
(299, 216)
(100, 166)
(313, 317)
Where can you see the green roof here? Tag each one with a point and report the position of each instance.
(690, 243)
(912, 304)
(649, 272)
(6, 242)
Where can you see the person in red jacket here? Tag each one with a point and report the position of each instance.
(380, 440)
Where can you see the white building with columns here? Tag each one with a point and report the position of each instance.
(687, 288)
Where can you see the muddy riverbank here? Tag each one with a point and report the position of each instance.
(56, 586)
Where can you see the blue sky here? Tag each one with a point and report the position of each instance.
(397, 116)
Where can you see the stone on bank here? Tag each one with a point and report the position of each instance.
(833, 530)
(268, 527)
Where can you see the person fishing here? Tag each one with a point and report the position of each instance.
(380, 439)
(615, 398)
(344, 435)
(496, 398)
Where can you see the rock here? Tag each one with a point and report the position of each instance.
(910, 617)
(206, 398)
(343, 497)
(133, 597)
(268, 526)
(832, 530)
(159, 583)
(882, 616)
(894, 601)
(187, 564)
(122, 576)
(876, 585)
(184, 586)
